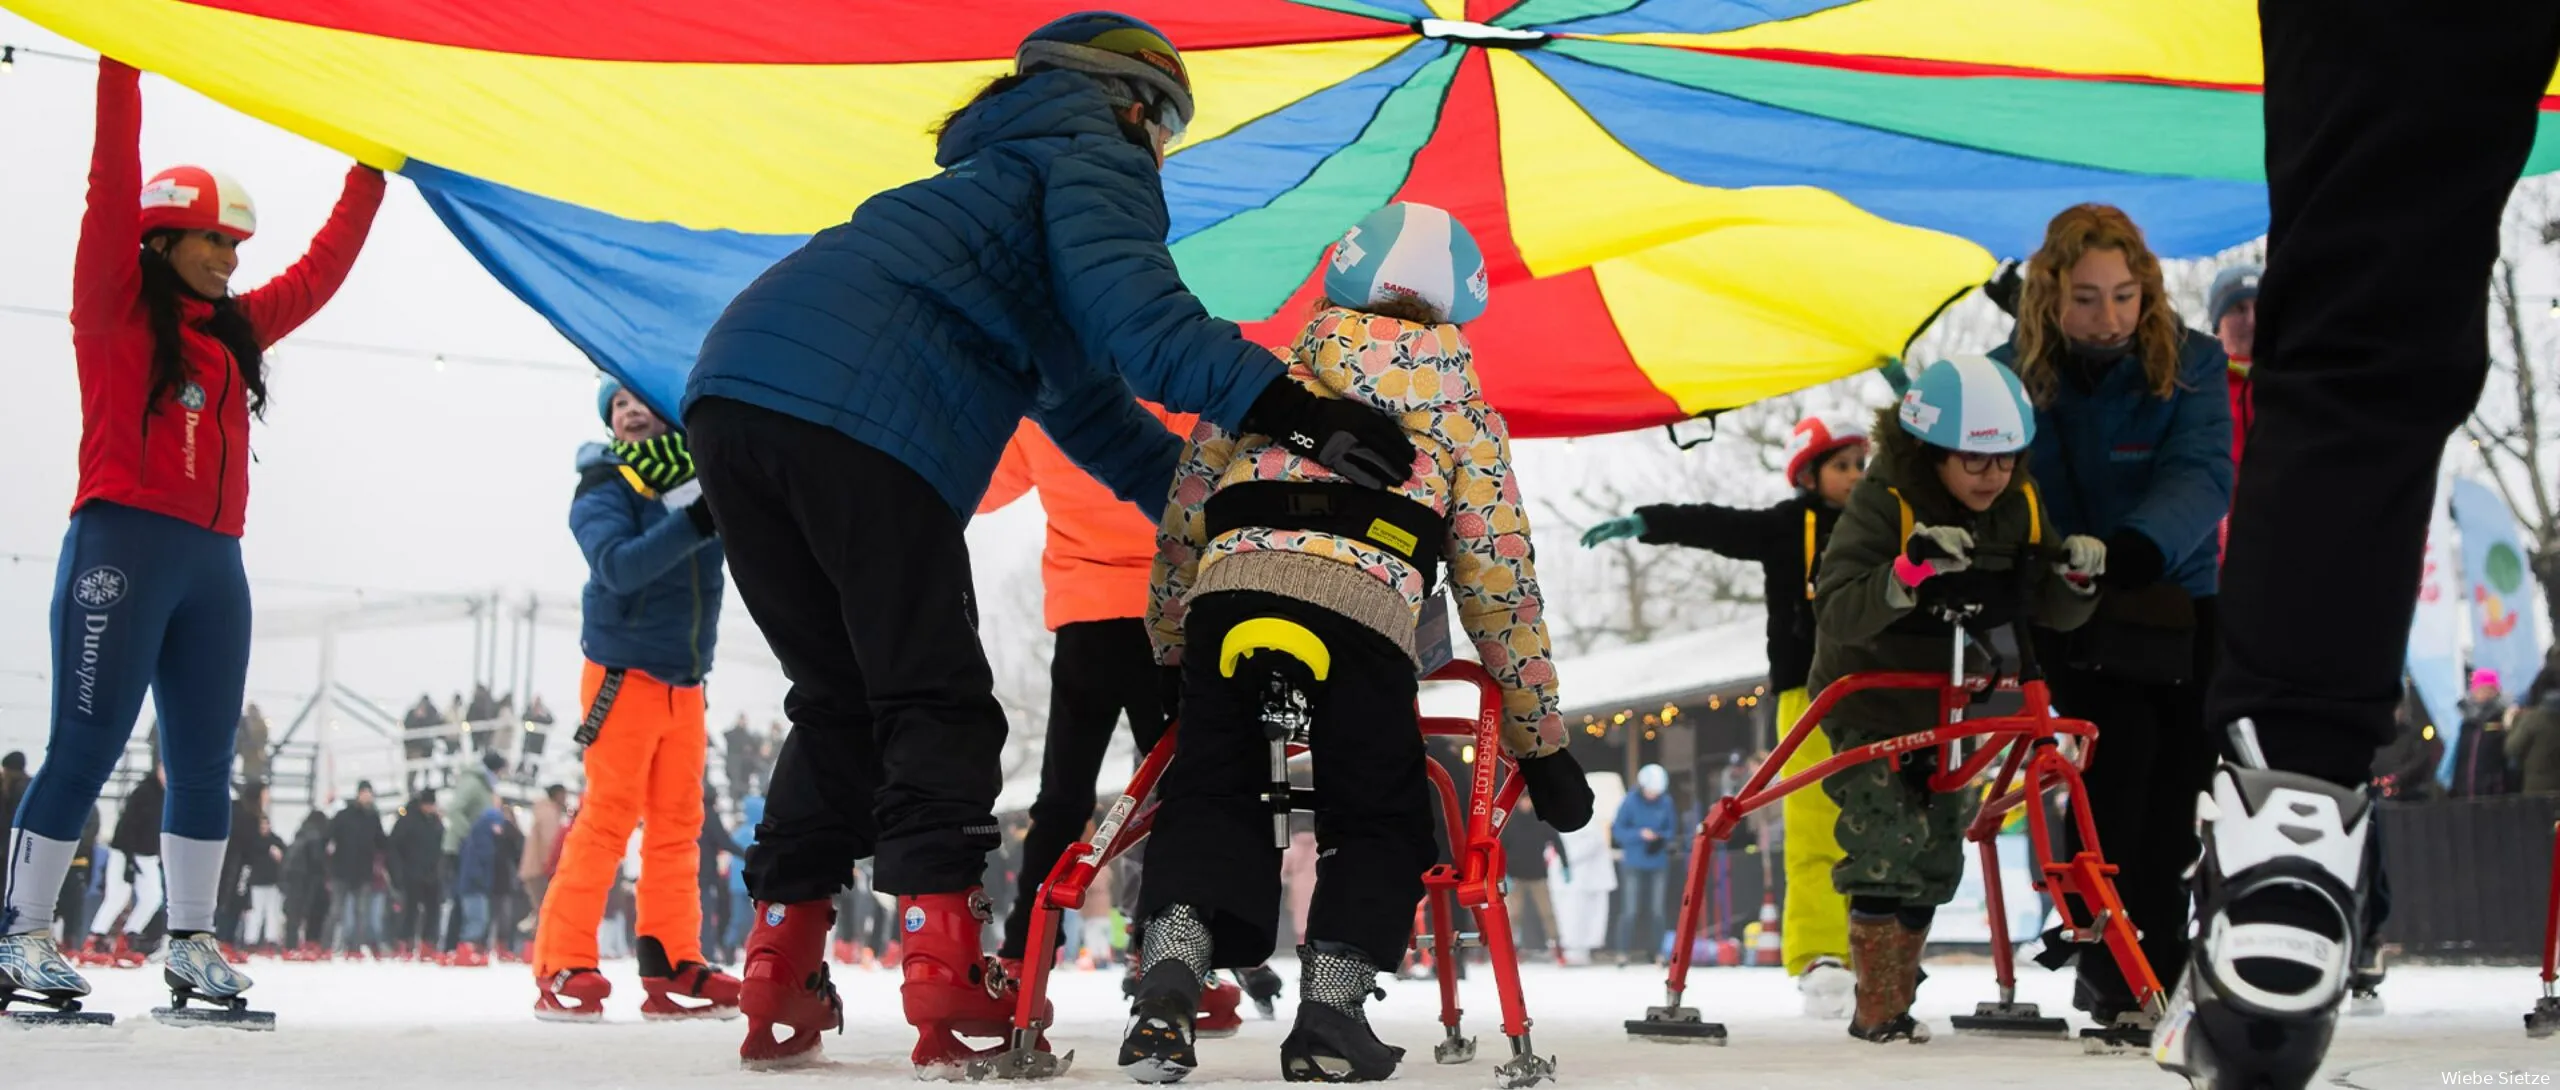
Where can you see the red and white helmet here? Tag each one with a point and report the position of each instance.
(1817, 436)
(191, 198)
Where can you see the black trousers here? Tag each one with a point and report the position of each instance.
(1212, 847)
(421, 906)
(858, 574)
(2394, 134)
(2153, 758)
(1101, 671)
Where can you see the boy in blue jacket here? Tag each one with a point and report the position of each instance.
(849, 409)
(651, 615)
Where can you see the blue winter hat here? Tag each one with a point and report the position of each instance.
(2230, 287)
(604, 398)
(1409, 251)
(1969, 404)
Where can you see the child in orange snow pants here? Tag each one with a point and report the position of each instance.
(644, 768)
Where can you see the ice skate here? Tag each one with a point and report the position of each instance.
(2278, 903)
(196, 973)
(571, 995)
(1218, 1016)
(952, 989)
(1157, 1046)
(785, 986)
(467, 955)
(2364, 989)
(687, 990)
(1887, 959)
(1332, 1041)
(1830, 990)
(34, 973)
(1262, 985)
(2121, 1027)
(129, 952)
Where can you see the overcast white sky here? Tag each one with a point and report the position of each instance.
(373, 471)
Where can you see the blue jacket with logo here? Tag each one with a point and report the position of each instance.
(2115, 457)
(652, 600)
(1030, 276)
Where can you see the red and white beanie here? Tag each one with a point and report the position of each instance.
(192, 198)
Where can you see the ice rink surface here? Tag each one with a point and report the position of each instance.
(359, 1026)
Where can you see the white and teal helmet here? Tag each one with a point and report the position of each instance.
(1409, 251)
(1971, 405)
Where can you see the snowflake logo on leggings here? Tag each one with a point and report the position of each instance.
(98, 588)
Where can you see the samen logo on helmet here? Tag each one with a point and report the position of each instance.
(2001, 434)
(1917, 413)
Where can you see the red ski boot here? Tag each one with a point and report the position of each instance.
(1218, 1017)
(571, 995)
(466, 954)
(128, 955)
(785, 984)
(714, 994)
(952, 988)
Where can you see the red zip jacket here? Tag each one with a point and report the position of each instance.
(188, 457)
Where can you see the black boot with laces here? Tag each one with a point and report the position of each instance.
(1332, 1041)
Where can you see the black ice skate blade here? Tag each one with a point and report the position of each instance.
(191, 1017)
(2010, 1020)
(43, 1019)
(1681, 1027)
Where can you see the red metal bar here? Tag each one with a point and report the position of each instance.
(2003, 958)
(2550, 916)
(1693, 891)
(1444, 960)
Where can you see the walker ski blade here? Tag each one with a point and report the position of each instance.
(2010, 1020)
(1678, 1025)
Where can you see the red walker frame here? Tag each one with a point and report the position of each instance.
(1472, 882)
(2029, 741)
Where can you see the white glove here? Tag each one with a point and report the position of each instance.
(2084, 560)
(682, 496)
(1954, 542)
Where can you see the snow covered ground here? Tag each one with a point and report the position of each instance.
(349, 1026)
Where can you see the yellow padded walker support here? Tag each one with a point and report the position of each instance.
(1274, 634)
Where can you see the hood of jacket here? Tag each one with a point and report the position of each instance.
(1910, 466)
(1053, 103)
(1394, 366)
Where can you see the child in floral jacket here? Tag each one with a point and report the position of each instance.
(1253, 531)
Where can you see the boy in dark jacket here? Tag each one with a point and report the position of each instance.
(355, 849)
(262, 926)
(415, 860)
(1937, 522)
(1826, 457)
(850, 408)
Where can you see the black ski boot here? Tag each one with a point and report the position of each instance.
(1332, 1041)
(2277, 922)
(1262, 985)
(1158, 1046)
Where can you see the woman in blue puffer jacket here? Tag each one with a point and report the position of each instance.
(848, 411)
(2132, 446)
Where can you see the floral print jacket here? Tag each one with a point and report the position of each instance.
(1425, 376)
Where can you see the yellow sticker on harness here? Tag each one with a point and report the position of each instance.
(1385, 533)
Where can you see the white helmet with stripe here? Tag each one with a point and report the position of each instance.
(1409, 251)
(1969, 404)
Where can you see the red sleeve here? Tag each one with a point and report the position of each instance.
(105, 278)
(1013, 473)
(280, 306)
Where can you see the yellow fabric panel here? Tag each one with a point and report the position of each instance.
(1724, 296)
(781, 149)
(1447, 9)
(2209, 41)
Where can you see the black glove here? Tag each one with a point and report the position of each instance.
(700, 512)
(662, 463)
(2003, 287)
(2133, 561)
(1557, 788)
(1357, 442)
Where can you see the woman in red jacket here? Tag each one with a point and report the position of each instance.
(150, 593)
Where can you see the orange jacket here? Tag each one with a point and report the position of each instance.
(1094, 567)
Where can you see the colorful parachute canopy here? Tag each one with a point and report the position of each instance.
(1686, 204)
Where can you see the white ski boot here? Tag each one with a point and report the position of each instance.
(197, 972)
(33, 972)
(1830, 990)
(2279, 892)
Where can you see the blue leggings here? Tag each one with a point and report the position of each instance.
(143, 601)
